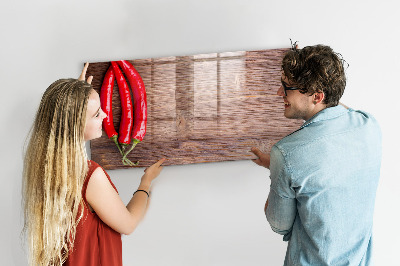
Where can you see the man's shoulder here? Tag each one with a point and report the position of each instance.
(293, 142)
(365, 116)
(315, 130)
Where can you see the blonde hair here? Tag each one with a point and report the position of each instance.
(55, 167)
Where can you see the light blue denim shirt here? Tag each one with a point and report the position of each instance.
(324, 178)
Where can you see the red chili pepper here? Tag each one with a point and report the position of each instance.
(126, 122)
(106, 92)
(139, 102)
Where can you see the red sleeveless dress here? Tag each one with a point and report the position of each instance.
(95, 242)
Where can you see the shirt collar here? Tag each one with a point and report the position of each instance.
(326, 114)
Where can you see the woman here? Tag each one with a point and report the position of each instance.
(73, 213)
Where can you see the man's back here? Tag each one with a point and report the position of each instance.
(328, 170)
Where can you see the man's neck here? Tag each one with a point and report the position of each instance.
(318, 108)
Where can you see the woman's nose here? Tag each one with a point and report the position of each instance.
(104, 114)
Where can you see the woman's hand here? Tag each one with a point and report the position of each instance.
(83, 74)
(263, 158)
(152, 172)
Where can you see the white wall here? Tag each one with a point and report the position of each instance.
(207, 214)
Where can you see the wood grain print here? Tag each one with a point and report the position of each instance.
(202, 108)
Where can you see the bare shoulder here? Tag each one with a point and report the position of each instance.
(98, 173)
(98, 183)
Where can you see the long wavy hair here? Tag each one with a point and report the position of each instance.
(55, 167)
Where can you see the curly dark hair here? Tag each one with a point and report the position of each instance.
(316, 69)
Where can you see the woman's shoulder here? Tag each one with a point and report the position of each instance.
(97, 172)
(93, 169)
(93, 165)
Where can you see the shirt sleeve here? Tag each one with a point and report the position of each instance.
(281, 210)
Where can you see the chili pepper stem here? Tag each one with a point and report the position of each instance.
(135, 141)
(115, 139)
(125, 161)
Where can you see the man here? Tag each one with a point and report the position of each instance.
(325, 174)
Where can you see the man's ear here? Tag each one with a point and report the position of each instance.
(318, 97)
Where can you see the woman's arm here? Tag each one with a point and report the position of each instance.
(108, 205)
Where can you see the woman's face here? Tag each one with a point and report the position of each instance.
(94, 117)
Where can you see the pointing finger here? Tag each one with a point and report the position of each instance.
(160, 162)
(256, 151)
(83, 74)
(89, 80)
